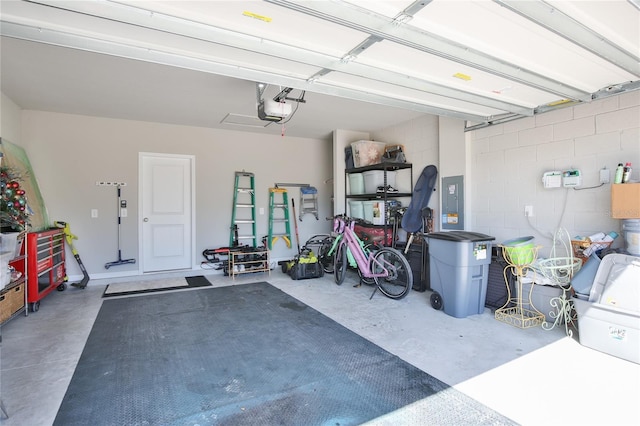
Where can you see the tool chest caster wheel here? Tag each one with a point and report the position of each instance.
(61, 287)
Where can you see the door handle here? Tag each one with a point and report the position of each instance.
(146, 219)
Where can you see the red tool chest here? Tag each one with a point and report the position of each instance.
(45, 265)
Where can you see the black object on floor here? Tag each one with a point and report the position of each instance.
(497, 293)
(418, 257)
(197, 281)
(244, 354)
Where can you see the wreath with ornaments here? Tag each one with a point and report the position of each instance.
(14, 210)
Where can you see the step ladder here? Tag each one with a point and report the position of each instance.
(308, 201)
(277, 218)
(243, 216)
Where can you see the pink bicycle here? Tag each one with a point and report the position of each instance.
(386, 266)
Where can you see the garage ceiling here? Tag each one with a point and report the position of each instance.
(481, 61)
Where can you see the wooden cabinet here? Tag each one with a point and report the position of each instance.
(13, 296)
(45, 265)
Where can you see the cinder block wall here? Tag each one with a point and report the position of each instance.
(507, 162)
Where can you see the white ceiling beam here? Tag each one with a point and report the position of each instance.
(556, 21)
(408, 13)
(142, 18)
(59, 38)
(370, 22)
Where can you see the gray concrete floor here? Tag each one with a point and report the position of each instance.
(533, 376)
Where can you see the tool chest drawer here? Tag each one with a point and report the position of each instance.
(45, 265)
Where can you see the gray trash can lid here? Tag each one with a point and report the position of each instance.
(460, 236)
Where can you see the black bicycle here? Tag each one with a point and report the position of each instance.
(321, 245)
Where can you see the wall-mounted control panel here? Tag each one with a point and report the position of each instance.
(557, 179)
(571, 178)
(552, 179)
(453, 202)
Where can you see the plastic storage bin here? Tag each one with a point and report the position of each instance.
(367, 153)
(375, 178)
(356, 184)
(367, 208)
(631, 233)
(459, 270)
(9, 242)
(379, 212)
(374, 211)
(610, 320)
(5, 274)
(540, 297)
(356, 209)
(583, 279)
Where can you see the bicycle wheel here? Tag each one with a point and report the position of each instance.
(325, 259)
(340, 264)
(400, 279)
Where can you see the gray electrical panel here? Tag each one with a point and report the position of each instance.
(453, 202)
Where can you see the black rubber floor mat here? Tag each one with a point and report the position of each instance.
(244, 354)
(196, 281)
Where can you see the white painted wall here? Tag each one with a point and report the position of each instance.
(421, 140)
(10, 128)
(453, 161)
(69, 153)
(341, 140)
(503, 168)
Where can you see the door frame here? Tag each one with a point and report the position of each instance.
(192, 165)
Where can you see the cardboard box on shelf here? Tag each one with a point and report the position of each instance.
(625, 201)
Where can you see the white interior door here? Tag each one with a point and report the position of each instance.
(166, 212)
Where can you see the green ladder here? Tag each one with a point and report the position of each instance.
(281, 219)
(244, 199)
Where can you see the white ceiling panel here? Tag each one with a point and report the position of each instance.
(488, 27)
(460, 107)
(617, 21)
(427, 67)
(484, 61)
(261, 19)
(389, 8)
